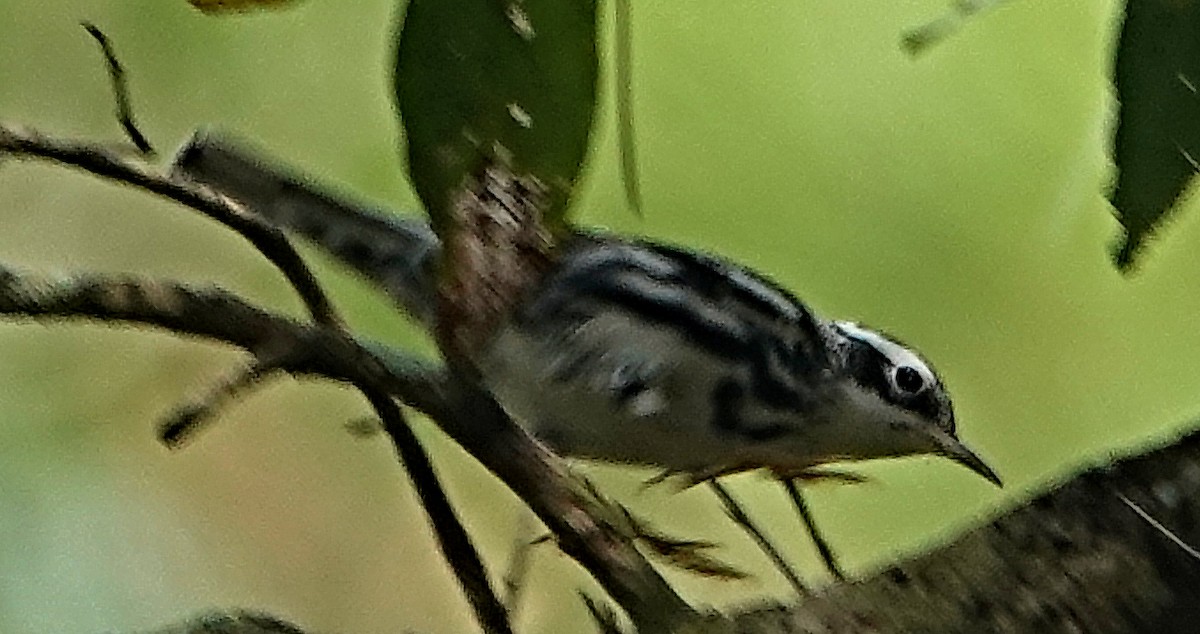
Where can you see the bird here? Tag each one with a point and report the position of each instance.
(638, 352)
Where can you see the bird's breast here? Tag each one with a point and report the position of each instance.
(615, 389)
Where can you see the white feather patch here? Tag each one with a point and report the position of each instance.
(896, 353)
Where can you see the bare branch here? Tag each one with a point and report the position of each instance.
(99, 160)
(120, 91)
(269, 188)
(585, 527)
(455, 543)
(187, 419)
(518, 565)
(216, 314)
(603, 616)
(988, 581)
(1078, 558)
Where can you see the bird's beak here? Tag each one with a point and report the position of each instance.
(953, 449)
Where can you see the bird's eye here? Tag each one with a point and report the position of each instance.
(909, 380)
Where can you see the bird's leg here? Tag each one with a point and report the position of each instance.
(806, 517)
(741, 518)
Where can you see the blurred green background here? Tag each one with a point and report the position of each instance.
(954, 200)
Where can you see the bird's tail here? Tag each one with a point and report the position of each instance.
(396, 253)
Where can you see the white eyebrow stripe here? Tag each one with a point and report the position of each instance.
(896, 353)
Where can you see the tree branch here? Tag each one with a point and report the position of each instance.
(462, 409)
(585, 527)
(1078, 558)
(116, 74)
(455, 543)
(534, 473)
(213, 160)
(1083, 557)
(99, 160)
(1074, 559)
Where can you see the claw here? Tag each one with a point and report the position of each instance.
(818, 475)
(684, 480)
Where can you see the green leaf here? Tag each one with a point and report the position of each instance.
(1158, 135)
(485, 81)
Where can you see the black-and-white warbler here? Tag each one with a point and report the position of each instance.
(635, 352)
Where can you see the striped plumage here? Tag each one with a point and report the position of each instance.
(636, 352)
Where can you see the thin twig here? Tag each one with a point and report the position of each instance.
(810, 523)
(186, 420)
(215, 314)
(739, 516)
(517, 573)
(102, 162)
(455, 543)
(602, 615)
(120, 91)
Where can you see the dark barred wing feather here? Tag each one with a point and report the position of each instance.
(729, 311)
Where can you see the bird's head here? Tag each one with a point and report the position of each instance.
(907, 408)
